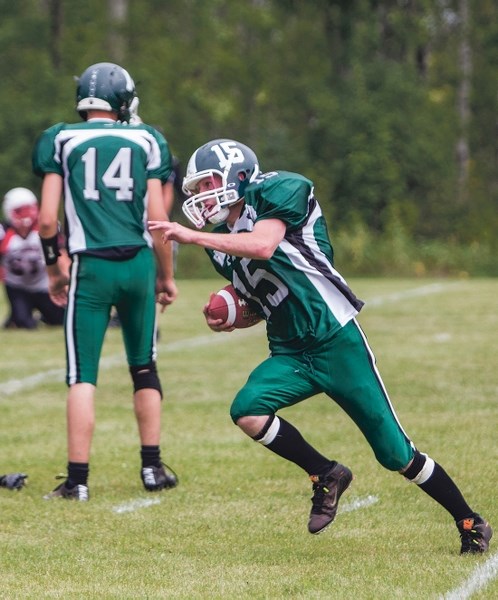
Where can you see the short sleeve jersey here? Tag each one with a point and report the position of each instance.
(23, 262)
(105, 166)
(299, 292)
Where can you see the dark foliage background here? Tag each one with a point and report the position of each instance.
(389, 106)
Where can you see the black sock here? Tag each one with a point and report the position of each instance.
(290, 444)
(443, 489)
(151, 456)
(77, 474)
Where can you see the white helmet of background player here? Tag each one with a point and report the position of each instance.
(20, 207)
(235, 163)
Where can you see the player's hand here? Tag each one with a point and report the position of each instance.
(58, 288)
(215, 324)
(166, 292)
(173, 231)
(13, 481)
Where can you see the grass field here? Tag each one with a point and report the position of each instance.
(236, 525)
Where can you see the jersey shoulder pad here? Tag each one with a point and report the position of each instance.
(280, 195)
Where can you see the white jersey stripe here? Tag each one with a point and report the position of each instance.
(71, 350)
(338, 304)
(379, 379)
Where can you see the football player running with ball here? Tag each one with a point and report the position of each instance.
(271, 243)
(110, 174)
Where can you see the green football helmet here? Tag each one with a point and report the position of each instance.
(237, 166)
(105, 86)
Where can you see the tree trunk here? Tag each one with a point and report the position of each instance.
(118, 11)
(465, 65)
(56, 18)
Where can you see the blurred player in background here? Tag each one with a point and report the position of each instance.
(110, 174)
(23, 266)
(271, 242)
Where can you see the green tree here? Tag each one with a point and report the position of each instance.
(362, 96)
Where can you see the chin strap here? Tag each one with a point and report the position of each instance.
(220, 216)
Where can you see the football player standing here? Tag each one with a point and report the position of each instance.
(271, 243)
(110, 175)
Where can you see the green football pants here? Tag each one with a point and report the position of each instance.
(96, 286)
(345, 370)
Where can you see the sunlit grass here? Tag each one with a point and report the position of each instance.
(236, 525)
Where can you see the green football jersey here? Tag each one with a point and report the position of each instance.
(303, 298)
(105, 166)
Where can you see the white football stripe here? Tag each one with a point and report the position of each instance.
(232, 312)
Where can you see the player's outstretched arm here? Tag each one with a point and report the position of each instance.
(258, 244)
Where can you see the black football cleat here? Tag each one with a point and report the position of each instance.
(475, 534)
(78, 492)
(327, 489)
(158, 478)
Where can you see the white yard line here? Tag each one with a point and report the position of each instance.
(424, 290)
(345, 507)
(134, 505)
(478, 579)
(357, 503)
(7, 388)
(12, 386)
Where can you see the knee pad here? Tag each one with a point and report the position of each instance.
(421, 468)
(145, 377)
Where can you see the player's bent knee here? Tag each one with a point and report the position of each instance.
(248, 403)
(268, 431)
(393, 462)
(261, 428)
(234, 415)
(146, 377)
(239, 410)
(246, 422)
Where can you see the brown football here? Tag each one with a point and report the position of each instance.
(232, 309)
